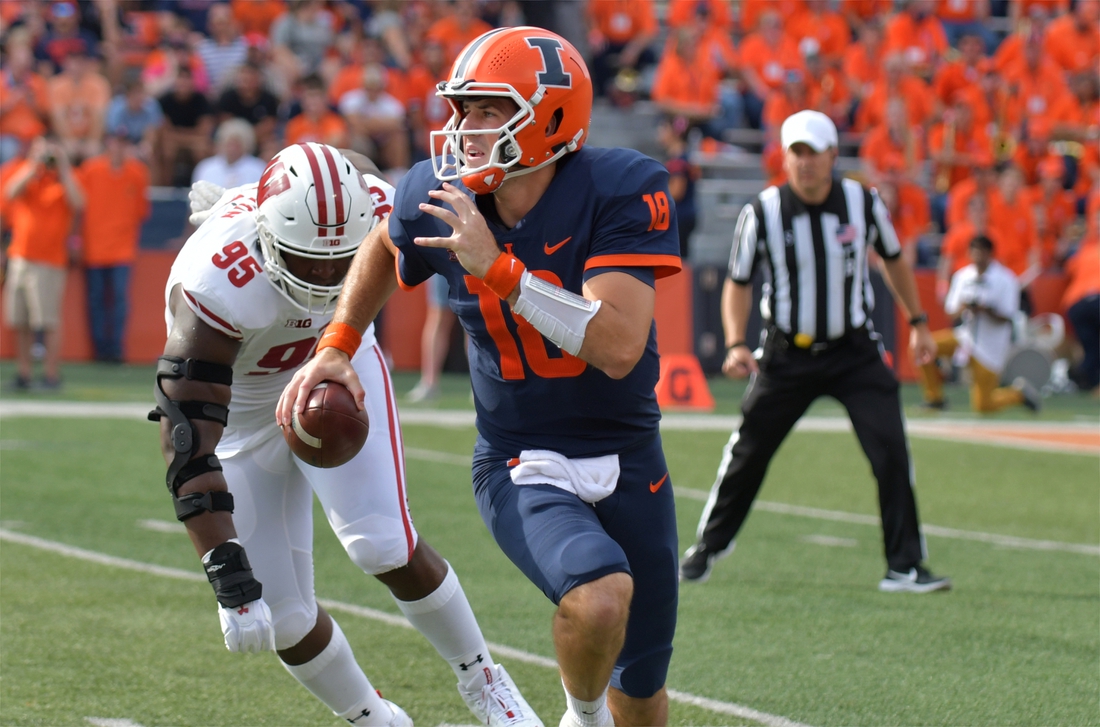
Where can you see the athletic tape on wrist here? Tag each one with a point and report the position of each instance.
(230, 573)
(342, 337)
(556, 313)
(504, 274)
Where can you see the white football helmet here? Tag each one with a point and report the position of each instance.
(311, 202)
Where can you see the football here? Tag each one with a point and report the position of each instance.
(331, 430)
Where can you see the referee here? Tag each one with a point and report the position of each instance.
(812, 236)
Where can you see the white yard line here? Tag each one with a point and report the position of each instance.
(719, 707)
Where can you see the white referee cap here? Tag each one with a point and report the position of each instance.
(809, 127)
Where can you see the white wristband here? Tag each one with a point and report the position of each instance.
(556, 313)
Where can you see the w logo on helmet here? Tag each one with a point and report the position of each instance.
(273, 182)
(553, 73)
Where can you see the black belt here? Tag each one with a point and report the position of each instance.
(803, 342)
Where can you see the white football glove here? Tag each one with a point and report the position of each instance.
(203, 196)
(248, 628)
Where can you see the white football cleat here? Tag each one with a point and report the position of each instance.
(499, 703)
(400, 719)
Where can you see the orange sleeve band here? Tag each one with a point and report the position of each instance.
(340, 336)
(504, 274)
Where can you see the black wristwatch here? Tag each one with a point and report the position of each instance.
(918, 319)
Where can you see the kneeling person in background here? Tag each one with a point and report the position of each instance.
(985, 295)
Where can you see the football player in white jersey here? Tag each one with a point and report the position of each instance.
(247, 299)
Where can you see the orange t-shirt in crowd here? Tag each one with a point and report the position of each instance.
(434, 111)
(917, 96)
(829, 29)
(116, 202)
(330, 129)
(770, 64)
(689, 82)
(1009, 53)
(1069, 111)
(1035, 94)
(862, 69)
(682, 12)
(999, 109)
(1070, 48)
(751, 10)
(1084, 271)
(350, 78)
(140, 35)
(974, 142)
(81, 102)
(719, 47)
(1052, 7)
(1057, 213)
(957, 11)
(256, 16)
(620, 21)
(956, 244)
(25, 117)
(1015, 223)
(831, 93)
(919, 42)
(40, 219)
(453, 37)
(1027, 159)
(779, 106)
(881, 151)
(913, 214)
(958, 199)
(952, 77)
(864, 10)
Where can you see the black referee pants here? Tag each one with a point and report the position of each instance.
(789, 380)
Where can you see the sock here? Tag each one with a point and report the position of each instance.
(595, 713)
(334, 678)
(445, 618)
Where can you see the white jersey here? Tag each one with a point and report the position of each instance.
(221, 272)
(985, 338)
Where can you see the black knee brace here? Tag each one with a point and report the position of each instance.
(185, 439)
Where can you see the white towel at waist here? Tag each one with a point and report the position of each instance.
(589, 478)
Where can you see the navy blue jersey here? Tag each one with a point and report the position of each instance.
(604, 209)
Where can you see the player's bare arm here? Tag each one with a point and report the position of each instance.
(902, 283)
(193, 381)
(616, 336)
(369, 284)
(736, 304)
(191, 338)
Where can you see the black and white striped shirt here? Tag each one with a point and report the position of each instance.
(814, 257)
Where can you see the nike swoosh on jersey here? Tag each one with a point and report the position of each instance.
(655, 487)
(551, 249)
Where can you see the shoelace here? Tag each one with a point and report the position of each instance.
(488, 694)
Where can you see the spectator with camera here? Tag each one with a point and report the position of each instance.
(985, 297)
(39, 198)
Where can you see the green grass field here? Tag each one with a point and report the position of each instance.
(791, 625)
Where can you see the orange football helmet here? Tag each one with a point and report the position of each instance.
(547, 79)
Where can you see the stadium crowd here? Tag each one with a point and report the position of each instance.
(947, 101)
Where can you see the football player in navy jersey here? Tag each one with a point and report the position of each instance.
(551, 250)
